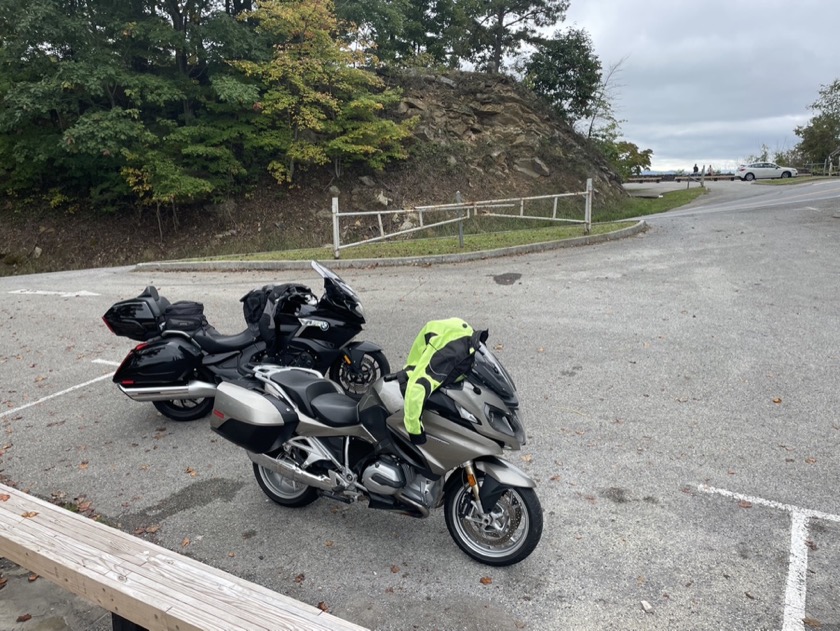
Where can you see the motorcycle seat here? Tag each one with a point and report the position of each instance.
(224, 343)
(303, 388)
(336, 410)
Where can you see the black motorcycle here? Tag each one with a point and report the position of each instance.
(183, 358)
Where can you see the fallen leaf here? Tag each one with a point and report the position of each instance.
(152, 529)
(231, 554)
(811, 544)
(300, 578)
(4, 497)
(329, 544)
(499, 347)
(395, 569)
(555, 478)
(748, 595)
(527, 458)
(29, 514)
(745, 504)
(812, 622)
(32, 578)
(486, 580)
(140, 531)
(24, 618)
(323, 607)
(185, 542)
(810, 460)
(777, 400)
(540, 350)
(191, 471)
(84, 465)
(2, 582)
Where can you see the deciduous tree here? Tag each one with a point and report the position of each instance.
(566, 72)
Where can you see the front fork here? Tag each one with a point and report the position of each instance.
(476, 492)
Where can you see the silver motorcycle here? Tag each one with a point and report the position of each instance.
(307, 439)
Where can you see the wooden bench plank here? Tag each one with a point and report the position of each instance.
(134, 566)
(141, 581)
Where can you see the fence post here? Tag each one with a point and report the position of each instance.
(587, 215)
(336, 234)
(460, 200)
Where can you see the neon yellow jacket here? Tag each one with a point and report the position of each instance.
(441, 353)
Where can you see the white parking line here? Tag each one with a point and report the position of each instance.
(62, 294)
(795, 588)
(70, 389)
(107, 362)
(797, 574)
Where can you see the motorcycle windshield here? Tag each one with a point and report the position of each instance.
(490, 371)
(339, 292)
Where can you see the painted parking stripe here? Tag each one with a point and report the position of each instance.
(770, 503)
(62, 294)
(107, 362)
(796, 584)
(71, 389)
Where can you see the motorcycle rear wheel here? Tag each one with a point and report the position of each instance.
(185, 409)
(281, 490)
(512, 532)
(356, 382)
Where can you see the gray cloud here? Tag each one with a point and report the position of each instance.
(711, 81)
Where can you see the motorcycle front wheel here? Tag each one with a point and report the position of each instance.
(282, 490)
(356, 381)
(185, 409)
(507, 534)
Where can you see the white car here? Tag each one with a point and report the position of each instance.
(763, 170)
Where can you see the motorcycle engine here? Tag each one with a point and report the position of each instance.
(303, 360)
(384, 477)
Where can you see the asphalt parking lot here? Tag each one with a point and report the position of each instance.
(680, 392)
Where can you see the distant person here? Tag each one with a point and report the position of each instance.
(695, 168)
(710, 170)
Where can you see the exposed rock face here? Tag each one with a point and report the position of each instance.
(495, 126)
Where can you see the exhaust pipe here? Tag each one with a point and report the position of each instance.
(293, 472)
(192, 390)
(423, 510)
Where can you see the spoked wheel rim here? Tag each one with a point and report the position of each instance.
(356, 382)
(501, 533)
(282, 486)
(185, 409)
(186, 405)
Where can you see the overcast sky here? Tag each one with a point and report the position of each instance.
(711, 81)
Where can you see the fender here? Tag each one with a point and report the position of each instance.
(356, 351)
(504, 472)
(500, 475)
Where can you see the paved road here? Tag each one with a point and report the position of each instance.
(681, 401)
